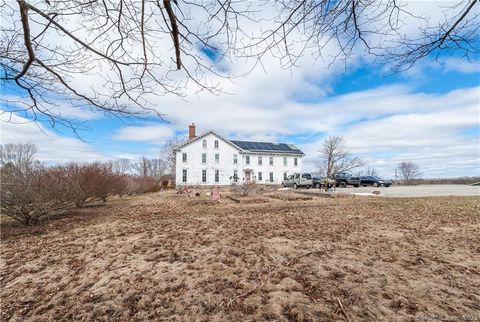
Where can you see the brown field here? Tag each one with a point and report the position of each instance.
(287, 258)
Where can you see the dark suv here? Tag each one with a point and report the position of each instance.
(345, 178)
(374, 181)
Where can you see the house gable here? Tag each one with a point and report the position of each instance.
(204, 135)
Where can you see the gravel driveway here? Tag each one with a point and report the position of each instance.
(418, 191)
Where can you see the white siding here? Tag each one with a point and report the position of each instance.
(226, 167)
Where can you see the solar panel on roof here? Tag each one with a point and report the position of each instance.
(267, 146)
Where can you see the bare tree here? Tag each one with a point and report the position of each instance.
(137, 45)
(335, 157)
(121, 166)
(18, 155)
(409, 171)
(169, 154)
(154, 168)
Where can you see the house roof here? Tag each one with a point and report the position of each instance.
(204, 135)
(253, 146)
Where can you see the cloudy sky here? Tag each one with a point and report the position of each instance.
(429, 114)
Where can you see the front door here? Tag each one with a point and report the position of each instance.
(247, 175)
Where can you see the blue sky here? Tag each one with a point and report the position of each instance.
(428, 114)
(450, 147)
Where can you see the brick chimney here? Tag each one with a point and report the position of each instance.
(191, 131)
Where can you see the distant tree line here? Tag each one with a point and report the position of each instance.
(31, 191)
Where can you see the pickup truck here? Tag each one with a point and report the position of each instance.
(344, 179)
(298, 180)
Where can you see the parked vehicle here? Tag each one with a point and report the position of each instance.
(298, 180)
(374, 181)
(317, 182)
(345, 178)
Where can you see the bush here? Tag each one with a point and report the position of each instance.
(30, 193)
(139, 185)
(164, 184)
(244, 189)
(91, 181)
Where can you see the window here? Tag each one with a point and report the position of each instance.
(184, 175)
(259, 160)
(184, 157)
(259, 176)
(204, 144)
(216, 144)
(217, 158)
(204, 158)
(284, 176)
(235, 159)
(284, 160)
(247, 159)
(295, 161)
(235, 176)
(204, 175)
(217, 176)
(271, 176)
(271, 161)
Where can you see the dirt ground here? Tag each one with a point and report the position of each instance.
(277, 257)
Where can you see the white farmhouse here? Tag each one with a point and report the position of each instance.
(211, 159)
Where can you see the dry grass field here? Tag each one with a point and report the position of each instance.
(277, 257)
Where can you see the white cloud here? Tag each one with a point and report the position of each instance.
(52, 148)
(150, 133)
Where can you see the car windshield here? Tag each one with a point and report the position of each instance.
(376, 178)
(307, 176)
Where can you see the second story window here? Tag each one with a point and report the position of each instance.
(204, 144)
(259, 160)
(184, 157)
(285, 161)
(204, 158)
(295, 161)
(235, 159)
(217, 158)
(247, 159)
(271, 161)
(216, 144)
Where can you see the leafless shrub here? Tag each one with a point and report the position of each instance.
(139, 185)
(92, 181)
(164, 184)
(244, 189)
(31, 193)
